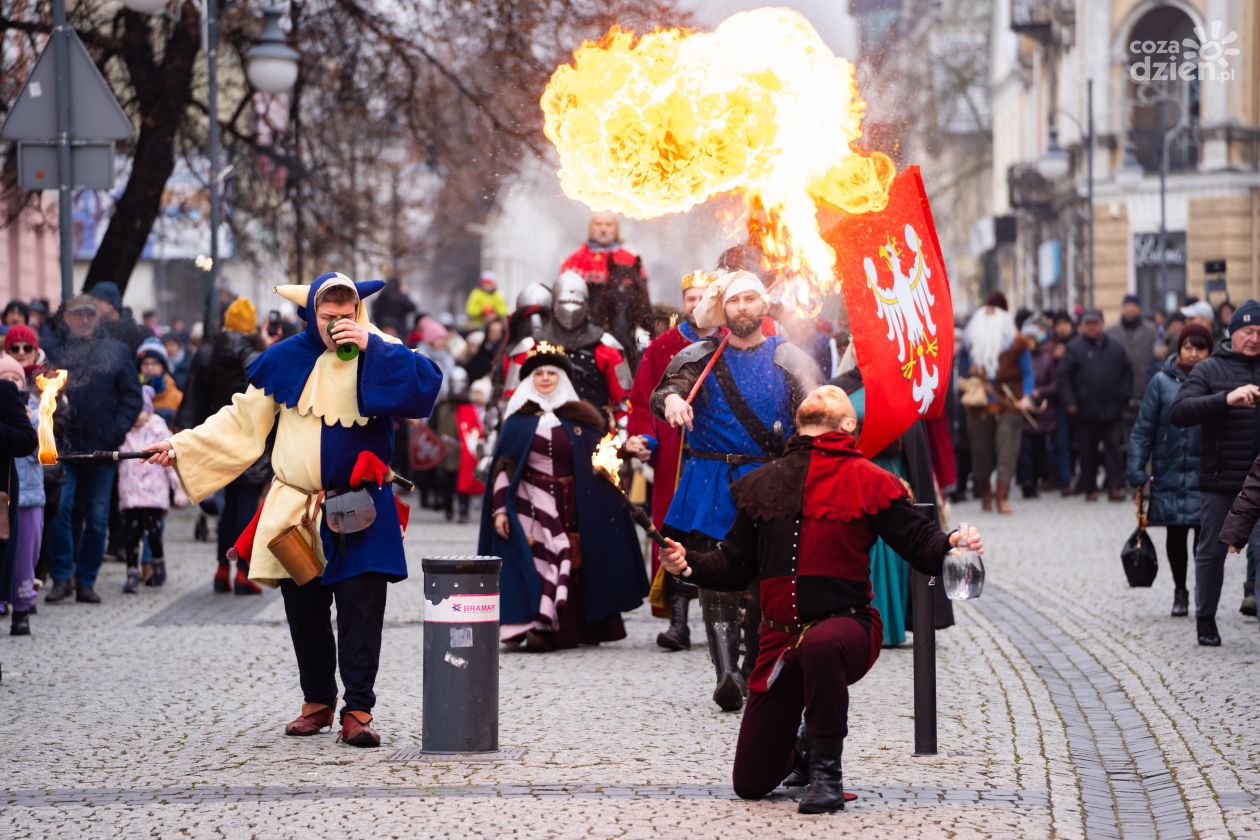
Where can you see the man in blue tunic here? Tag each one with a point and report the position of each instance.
(334, 421)
(741, 418)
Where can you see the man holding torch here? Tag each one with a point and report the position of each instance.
(803, 530)
(330, 527)
(661, 444)
(741, 417)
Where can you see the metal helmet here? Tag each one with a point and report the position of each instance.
(535, 294)
(569, 308)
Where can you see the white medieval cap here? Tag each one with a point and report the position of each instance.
(710, 312)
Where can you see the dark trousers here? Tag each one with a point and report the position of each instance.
(815, 677)
(139, 523)
(1090, 435)
(1034, 461)
(1175, 548)
(1209, 551)
(240, 503)
(360, 616)
(85, 495)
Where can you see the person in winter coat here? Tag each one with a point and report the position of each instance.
(1095, 381)
(1173, 454)
(22, 551)
(155, 372)
(1034, 450)
(102, 396)
(144, 496)
(486, 301)
(1137, 336)
(217, 374)
(1221, 395)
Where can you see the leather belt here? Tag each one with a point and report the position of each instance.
(734, 459)
(793, 629)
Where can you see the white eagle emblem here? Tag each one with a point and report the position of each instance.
(906, 307)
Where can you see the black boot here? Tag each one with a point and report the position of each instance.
(61, 590)
(678, 635)
(721, 625)
(1181, 603)
(825, 794)
(799, 777)
(20, 624)
(1208, 635)
(1249, 599)
(752, 630)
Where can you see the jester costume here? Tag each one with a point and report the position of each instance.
(334, 427)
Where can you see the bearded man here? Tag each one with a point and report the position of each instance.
(999, 357)
(601, 375)
(804, 527)
(742, 415)
(660, 444)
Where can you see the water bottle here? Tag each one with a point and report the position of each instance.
(346, 352)
(963, 573)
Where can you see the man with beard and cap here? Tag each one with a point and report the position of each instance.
(660, 444)
(616, 283)
(743, 413)
(1137, 336)
(601, 375)
(802, 532)
(998, 356)
(334, 434)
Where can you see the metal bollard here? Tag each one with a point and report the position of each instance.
(461, 654)
(923, 597)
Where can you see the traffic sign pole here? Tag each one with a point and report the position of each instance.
(65, 191)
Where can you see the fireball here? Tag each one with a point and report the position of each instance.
(759, 107)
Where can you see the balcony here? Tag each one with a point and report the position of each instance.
(1028, 190)
(1034, 18)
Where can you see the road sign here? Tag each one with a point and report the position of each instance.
(91, 166)
(94, 112)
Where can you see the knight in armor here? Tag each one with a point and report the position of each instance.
(741, 417)
(601, 375)
(616, 283)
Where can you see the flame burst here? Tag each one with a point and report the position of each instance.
(605, 459)
(49, 388)
(760, 107)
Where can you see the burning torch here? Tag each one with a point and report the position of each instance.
(607, 465)
(49, 388)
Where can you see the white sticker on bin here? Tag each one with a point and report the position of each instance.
(463, 609)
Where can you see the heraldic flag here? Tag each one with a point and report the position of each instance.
(900, 313)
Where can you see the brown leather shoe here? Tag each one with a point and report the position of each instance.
(356, 730)
(314, 717)
(1116, 495)
(1091, 497)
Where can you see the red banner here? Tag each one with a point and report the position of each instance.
(900, 312)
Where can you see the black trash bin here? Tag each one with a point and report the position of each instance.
(461, 654)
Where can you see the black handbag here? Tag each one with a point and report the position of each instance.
(1138, 555)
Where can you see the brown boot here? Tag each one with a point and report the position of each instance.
(356, 730)
(314, 717)
(1003, 491)
(986, 493)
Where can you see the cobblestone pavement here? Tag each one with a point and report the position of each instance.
(1070, 706)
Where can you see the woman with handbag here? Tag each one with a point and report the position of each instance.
(1173, 456)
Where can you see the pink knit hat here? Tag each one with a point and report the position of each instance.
(9, 365)
(431, 330)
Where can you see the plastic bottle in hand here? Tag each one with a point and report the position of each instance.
(346, 352)
(963, 573)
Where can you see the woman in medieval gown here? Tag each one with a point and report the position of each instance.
(543, 503)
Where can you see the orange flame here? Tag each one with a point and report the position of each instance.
(605, 459)
(49, 388)
(760, 107)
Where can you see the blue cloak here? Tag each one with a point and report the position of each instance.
(613, 576)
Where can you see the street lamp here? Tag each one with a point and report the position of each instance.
(271, 66)
(1129, 174)
(1053, 165)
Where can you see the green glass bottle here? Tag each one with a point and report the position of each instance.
(346, 352)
